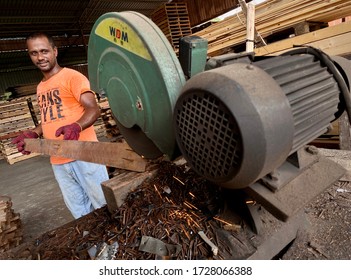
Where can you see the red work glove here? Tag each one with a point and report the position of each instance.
(19, 140)
(69, 132)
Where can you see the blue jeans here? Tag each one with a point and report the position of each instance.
(80, 184)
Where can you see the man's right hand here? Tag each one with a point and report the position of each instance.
(19, 140)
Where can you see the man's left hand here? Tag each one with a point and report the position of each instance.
(69, 132)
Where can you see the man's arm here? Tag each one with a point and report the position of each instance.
(38, 130)
(91, 110)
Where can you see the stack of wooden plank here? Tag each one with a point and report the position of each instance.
(173, 20)
(11, 233)
(16, 116)
(99, 127)
(23, 90)
(110, 126)
(271, 17)
(333, 40)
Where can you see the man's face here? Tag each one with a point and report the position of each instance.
(42, 54)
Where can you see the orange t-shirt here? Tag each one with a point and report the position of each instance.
(58, 99)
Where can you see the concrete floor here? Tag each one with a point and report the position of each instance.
(35, 195)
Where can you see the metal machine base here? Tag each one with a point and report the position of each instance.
(271, 211)
(313, 175)
(266, 241)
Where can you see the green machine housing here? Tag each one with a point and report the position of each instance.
(133, 64)
(192, 54)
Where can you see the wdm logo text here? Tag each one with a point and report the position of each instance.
(119, 34)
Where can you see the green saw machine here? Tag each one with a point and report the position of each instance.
(242, 122)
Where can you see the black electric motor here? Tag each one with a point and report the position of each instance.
(236, 123)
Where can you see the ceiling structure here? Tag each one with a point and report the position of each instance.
(63, 16)
(70, 22)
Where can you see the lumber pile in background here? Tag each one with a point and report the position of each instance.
(10, 225)
(109, 124)
(23, 90)
(99, 127)
(174, 22)
(272, 17)
(16, 116)
(333, 40)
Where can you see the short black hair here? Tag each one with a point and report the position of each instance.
(41, 34)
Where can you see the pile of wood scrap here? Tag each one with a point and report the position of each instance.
(10, 225)
(270, 17)
(173, 215)
(168, 216)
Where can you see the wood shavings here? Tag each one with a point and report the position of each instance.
(173, 217)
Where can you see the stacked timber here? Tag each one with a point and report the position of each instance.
(23, 90)
(99, 127)
(271, 17)
(173, 20)
(333, 40)
(110, 126)
(11, 233)
(16, 116)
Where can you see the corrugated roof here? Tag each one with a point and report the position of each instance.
(18, 17)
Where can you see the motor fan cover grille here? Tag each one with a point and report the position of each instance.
(209, 135)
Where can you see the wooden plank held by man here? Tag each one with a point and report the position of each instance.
(118, 155)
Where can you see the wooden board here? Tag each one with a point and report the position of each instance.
(117, 189)
(334, 40)
(118, 155)
(271, 17)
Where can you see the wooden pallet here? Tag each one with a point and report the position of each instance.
(174, 22)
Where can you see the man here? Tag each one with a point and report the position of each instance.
(68, 111)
